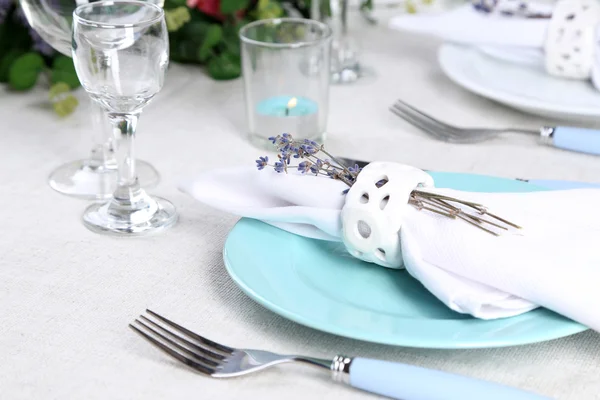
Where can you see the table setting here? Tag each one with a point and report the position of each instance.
(386, 228)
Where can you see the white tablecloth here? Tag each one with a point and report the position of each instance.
(67, 294)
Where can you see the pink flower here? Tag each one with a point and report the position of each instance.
(208, 7)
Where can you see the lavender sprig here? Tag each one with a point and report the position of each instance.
(507, 8)
(315, 159)
(314, 164)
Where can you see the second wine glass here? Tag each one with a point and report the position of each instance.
(94, 178)
(121, 54)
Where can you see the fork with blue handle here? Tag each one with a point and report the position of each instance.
(394, 380)
(567, 138)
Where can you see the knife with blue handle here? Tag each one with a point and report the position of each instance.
(574, 139)
(407, 382)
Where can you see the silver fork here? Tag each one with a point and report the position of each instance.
(395, 380)
(568, 138)
(449, 133)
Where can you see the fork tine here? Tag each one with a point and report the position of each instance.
(436, 132)
(442, 131)
(441, 124)
(179, 336)
(173, 353)
(203, 340)
(449, 132)
(182, 348)
(418, 123)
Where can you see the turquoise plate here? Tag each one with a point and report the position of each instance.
(317, 284)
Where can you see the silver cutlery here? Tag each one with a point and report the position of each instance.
(568, 138)
(394, 380)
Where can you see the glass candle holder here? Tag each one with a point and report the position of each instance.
(286, 64)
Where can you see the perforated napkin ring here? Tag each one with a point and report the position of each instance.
(570, 39)
(374, 209)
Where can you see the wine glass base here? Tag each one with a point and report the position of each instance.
(351, 74)
(148, 216)
(79, 179)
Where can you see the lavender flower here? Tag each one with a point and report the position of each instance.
(313, 163)
(286, 155)
(262, 162)
(305, 166)
(508, 9)
(280, 166)
(486, 6)
(316, 167)
(308, 149)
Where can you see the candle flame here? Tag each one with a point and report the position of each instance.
(292, 103)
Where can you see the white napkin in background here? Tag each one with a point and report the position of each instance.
(554, 263)
(465, 25)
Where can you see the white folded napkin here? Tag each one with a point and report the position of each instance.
(553, 262)
(465, 25)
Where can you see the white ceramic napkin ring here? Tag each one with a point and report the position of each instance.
(372, 214)
(570, 38)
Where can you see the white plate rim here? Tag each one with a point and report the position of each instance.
(447, 65)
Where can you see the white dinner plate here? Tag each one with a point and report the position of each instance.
(526, 88)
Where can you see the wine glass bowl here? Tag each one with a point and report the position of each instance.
(51, 19)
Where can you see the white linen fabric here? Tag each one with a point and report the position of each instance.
(465, 25)
(552, 262)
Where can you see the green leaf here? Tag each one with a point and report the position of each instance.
(204, 54)
(65, 106)
(225, 66)
(185, 51)
(266, 9)
(63, 102)
(169, 4)
(213, 37)
(194, 31)
(177, 17)
(63, 70)
(24, 71)
(231, 6)
(7, 61)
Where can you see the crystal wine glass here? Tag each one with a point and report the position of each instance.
(345, 61)
(94, 178)
(121, 53)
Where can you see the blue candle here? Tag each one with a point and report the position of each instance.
(287, 106)
(296, 115)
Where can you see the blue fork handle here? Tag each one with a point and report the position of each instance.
(406, 382)
(576, 139)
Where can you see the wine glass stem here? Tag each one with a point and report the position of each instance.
(102, 151)
(124, 127)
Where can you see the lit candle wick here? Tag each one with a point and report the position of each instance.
(291, 104)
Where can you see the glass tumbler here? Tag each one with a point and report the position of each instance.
(286, 69)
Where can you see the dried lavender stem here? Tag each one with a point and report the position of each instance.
(477, 225)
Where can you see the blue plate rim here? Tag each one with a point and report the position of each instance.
(397, 340)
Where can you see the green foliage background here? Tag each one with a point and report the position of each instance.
(195, 37)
